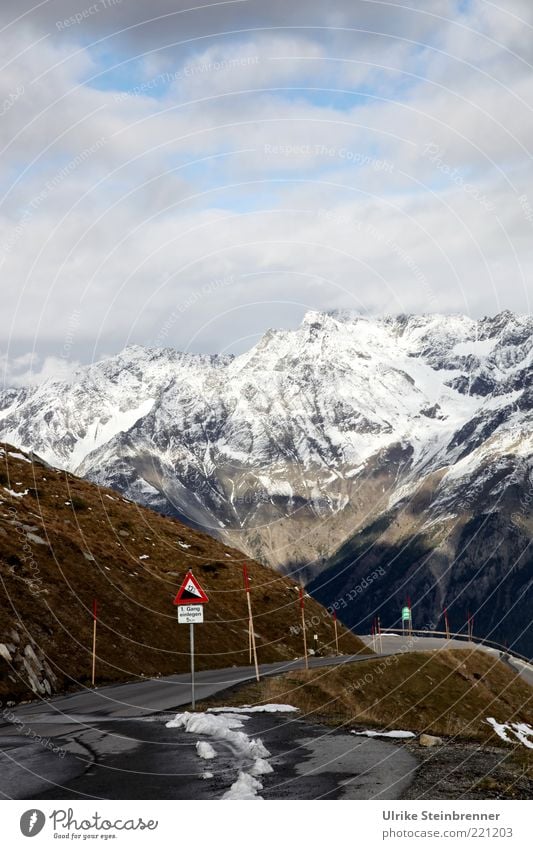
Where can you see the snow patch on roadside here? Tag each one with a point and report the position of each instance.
(521, 731)
(205, 750)
(250, 754)
(245, 787)
(399, 735)
(256, 709)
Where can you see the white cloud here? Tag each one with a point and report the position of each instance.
(31, 370)
(321, 192)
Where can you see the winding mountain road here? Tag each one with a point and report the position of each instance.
(113, 742)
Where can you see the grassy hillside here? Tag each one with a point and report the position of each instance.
(449, 693)
(64, 542)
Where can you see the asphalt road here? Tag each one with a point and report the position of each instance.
(143, 759)
(142, 698)
(113, 742)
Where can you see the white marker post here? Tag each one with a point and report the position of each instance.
(446, 623)
(189, 599)
(93, 677)
(336, 632)
(251, 633)
(302, 608)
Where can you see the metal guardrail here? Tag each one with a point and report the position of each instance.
(407, 632)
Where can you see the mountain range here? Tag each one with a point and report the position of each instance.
(348, 444)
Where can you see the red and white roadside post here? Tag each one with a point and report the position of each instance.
(470, 626)
(189, 600)
(302, 608)
(95, 616)
(336, 632)
(446, 623)
(251, 632)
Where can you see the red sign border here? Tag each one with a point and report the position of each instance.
(190, 577)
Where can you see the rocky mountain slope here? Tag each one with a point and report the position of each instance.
(420, 426)
(65, 542)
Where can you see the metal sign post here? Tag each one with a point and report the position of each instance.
(191, 643)
(189, 599)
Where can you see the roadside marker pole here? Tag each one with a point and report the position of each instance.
(446, 624)
(302, 607)
(94, 642)
(410, 616)
(251, 636)
(380, 637)
(336, 632)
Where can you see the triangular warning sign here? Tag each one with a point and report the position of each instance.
(190, 592)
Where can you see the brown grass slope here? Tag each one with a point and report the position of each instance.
(64, 542)
(448, 693)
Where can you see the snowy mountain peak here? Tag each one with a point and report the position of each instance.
(291, 429)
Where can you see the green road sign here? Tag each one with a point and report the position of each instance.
(406, 614)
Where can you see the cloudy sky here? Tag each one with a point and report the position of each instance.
(192, 176)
